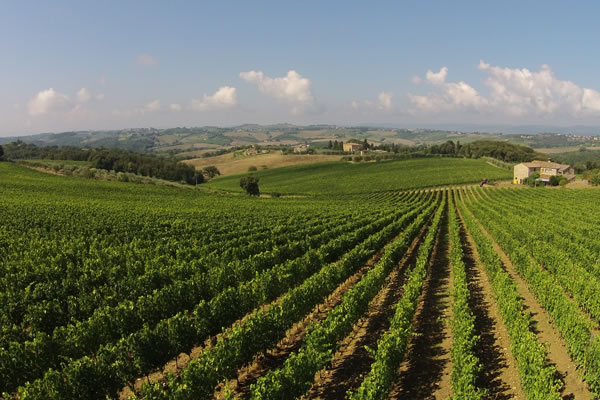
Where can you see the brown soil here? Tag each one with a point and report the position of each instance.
(574, 386)
(227, 164)
(352, 361)
(425, 373)
(499, 375)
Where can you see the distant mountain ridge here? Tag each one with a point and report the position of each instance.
(189, 142)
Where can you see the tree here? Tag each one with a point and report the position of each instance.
(211, 171)
(330, 145)
(1, 153)
(531, 179)
(250, 185)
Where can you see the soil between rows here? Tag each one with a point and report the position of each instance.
(425, 372)
(352, 361)
(499, 375)
(574, 386)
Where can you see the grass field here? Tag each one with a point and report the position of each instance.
(343, 177)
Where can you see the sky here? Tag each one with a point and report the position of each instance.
(83, 65)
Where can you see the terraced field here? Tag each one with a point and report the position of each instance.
(119, 290)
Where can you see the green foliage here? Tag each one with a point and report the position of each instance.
(503, 151)
(537, 378)
(553, 236)
(556, 180)
(250, 185)
(465, 365)
(532, 179)
(392, 346)
(252, 168)
(109, 160)
(211, 171)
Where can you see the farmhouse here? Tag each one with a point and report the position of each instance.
(352, 147)
(546, 169)
(301, 148)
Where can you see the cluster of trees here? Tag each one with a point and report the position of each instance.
(335, 145)
(110, 160)
(503, 151)
(1, 153)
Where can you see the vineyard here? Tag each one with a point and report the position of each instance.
(390, 290)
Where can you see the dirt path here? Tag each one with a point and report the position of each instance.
(275, 357)
(352, 361)
(574, 386)
(499, 375)
(425, 373)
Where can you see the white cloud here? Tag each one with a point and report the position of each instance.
(450, 96)
(225, 97)
(146, 59)
(152, 106)
(520, 91)
(516, 92)
(175, 107)
(46, 101)
(385, 100)
(292, 88)
(437, 78)
(100, 96)
(83, 95)
(416, 79)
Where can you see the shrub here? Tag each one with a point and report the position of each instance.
(252, 168)
(250, 185)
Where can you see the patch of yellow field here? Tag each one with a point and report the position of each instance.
(565, 149)
(227, 164)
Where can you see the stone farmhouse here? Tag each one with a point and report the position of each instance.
(546, 169)
(352, 147)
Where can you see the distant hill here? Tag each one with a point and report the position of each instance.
(191, 142)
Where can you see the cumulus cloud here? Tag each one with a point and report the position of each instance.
(175, 107)
(152, 106)
(385, 100)
(146, 59)
(46, 101)
(512, 91)
(451, 95)
(225, 97)
(292, 88)
(83, 95)
(521, 91)
(437, 78)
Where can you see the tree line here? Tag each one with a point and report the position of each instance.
(110, 160)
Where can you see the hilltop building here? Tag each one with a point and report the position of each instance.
(546, 169)
(301, 148)
(352, 147)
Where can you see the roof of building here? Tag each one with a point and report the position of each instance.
(546, 164)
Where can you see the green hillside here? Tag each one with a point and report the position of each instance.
(344, 177)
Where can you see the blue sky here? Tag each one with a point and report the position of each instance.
(105, 65)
